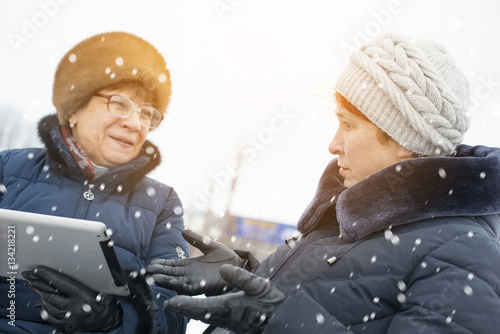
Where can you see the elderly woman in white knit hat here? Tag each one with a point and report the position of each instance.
(402, 234)
(110, 91)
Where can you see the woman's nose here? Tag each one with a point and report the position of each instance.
(133, 121)
(336, 146)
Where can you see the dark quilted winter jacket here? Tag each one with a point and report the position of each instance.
(413, 248)
(144, 215)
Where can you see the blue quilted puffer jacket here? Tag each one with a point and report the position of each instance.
(144, 215)
(413, 248)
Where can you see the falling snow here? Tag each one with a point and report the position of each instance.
(162, 78)
(86, 308)
(30, 230)
(119, 61)
(178, 210)
(392, 237)
(401, 297)
(442, 173)
(151, 192)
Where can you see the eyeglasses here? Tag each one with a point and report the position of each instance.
(124, 107)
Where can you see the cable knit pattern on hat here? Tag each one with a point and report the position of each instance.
(412, 90)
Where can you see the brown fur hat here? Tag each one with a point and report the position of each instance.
(105, 60)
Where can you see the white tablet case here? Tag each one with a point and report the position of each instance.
(79, 249)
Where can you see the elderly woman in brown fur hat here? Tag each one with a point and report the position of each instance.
(110, 91)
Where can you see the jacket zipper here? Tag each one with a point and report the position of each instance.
(290, 259)
(89, 197)
(300, 249)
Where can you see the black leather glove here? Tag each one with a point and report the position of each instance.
(245, 311)
(196, 275)
(71, 306)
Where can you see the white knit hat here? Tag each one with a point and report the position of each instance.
(412, 90)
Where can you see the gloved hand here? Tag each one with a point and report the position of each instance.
(245, 311)
(196, 275)
(71, 306)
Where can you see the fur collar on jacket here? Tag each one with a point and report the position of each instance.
(49, 125)
(466, 184)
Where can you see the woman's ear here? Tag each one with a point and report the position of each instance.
(404, 153)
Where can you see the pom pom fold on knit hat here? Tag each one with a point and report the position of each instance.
(105, 60)
(412, 90)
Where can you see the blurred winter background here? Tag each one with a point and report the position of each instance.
(252, 84)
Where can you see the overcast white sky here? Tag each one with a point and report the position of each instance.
(255, 75)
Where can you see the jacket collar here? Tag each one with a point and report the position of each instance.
(466, 184)
(50, 134)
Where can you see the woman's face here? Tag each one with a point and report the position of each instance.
(107, 139)
(360, 152)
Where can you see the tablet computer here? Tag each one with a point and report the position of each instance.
(77, 248)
